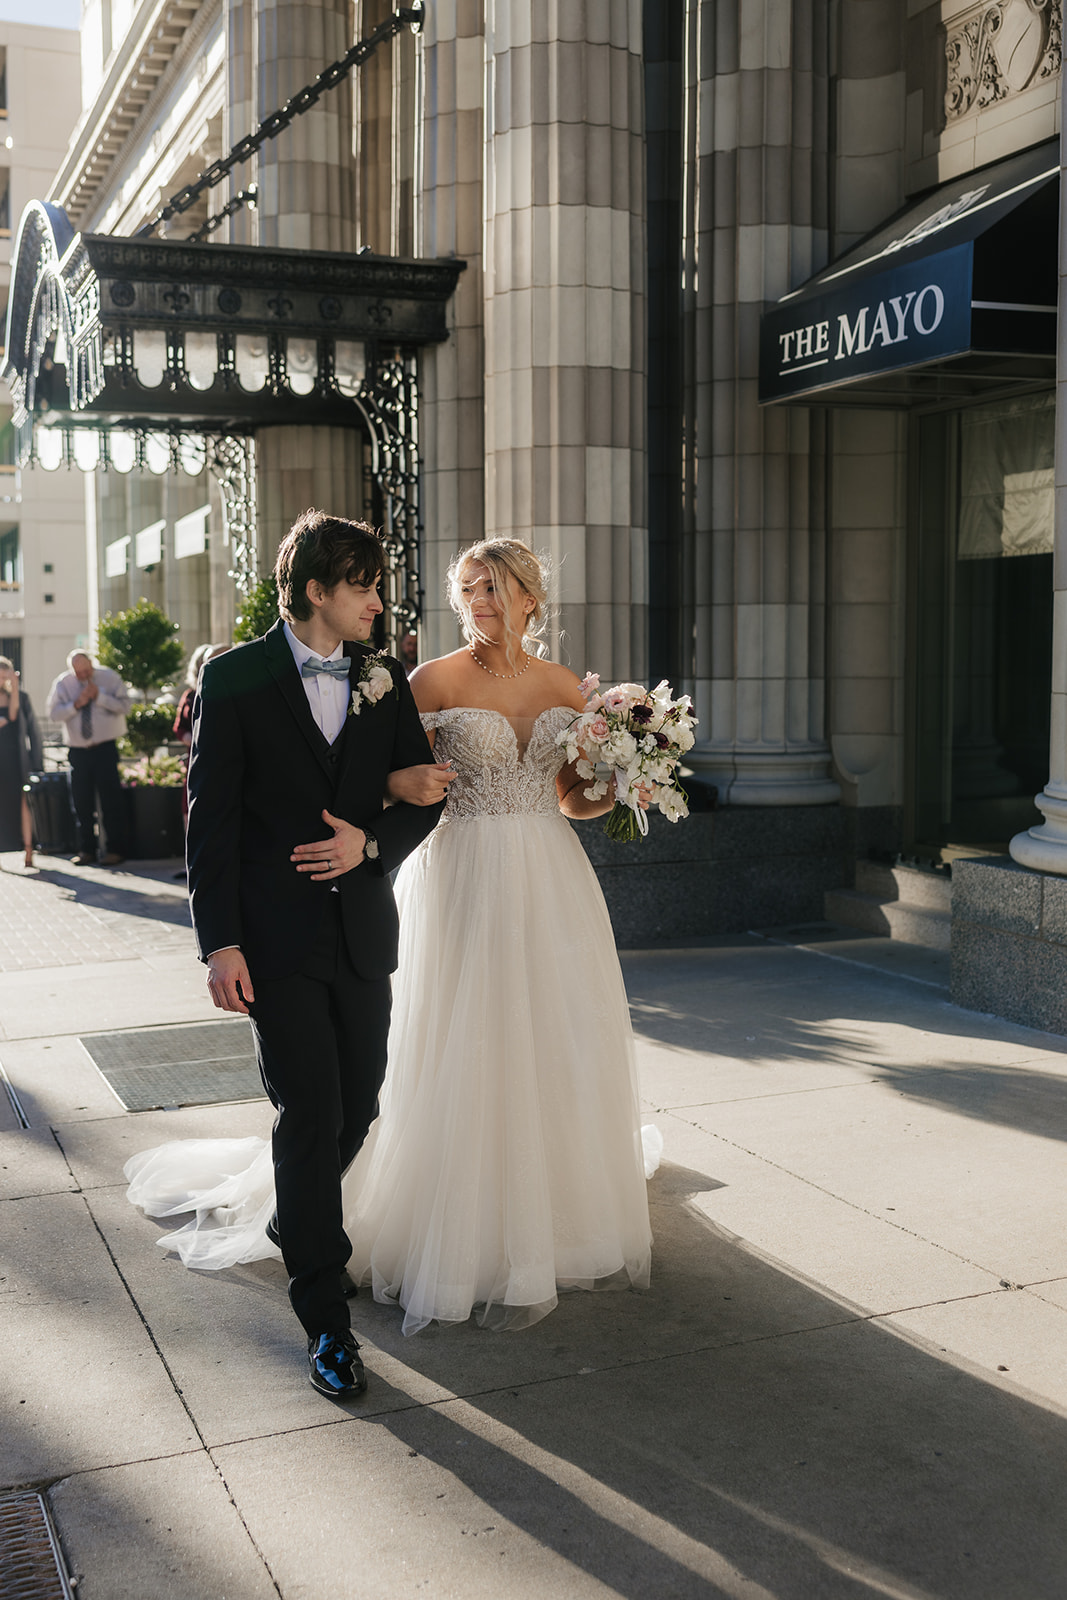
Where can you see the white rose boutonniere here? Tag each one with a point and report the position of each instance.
(374, 683)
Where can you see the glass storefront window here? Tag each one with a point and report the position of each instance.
(980, 621)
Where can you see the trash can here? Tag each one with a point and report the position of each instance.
(52, 811)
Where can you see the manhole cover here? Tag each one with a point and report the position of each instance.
(203, 1064)
(31, 1563)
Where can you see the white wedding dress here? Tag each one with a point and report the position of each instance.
(508, 1160)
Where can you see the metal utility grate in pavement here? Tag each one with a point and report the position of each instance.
(31, 1562)
(202, 1064)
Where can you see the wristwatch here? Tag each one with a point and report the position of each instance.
(370, 846)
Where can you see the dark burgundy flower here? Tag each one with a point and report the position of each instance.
(641, 714)
(662, 740)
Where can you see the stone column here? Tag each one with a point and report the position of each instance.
(448, 219)
(239, 112)
(306, 182)
(564, 314)
(306, 175)
(1045, 846)
(756, 216)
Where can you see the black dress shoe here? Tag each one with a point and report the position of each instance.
(335, 1368)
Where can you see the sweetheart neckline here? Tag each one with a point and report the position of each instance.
(493, 712)
(520, 754)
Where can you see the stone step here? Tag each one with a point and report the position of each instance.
(920, 925)
(910, 885)
(930, 890)
(892, 919)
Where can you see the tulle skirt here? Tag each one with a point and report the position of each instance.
(508, 1160)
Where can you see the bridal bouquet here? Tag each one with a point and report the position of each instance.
(642, 735)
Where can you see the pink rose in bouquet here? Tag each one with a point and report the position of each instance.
(641, 735)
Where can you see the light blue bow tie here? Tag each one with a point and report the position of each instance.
(312, 667)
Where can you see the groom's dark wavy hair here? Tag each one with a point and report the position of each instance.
(332, 550)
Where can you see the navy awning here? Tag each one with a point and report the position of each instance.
(953, 298)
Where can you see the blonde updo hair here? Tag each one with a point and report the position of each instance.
(511, 563)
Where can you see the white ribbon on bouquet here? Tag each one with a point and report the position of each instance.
(627, 797)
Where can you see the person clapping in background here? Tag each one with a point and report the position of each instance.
(92, 701)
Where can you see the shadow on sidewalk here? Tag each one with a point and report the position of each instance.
(797, 1010)
(156, 901)
(733, 1432)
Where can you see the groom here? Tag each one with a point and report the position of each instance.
(290, 845)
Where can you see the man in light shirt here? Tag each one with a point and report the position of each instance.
(92, 702)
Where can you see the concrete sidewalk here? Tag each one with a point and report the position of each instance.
(848, 1378)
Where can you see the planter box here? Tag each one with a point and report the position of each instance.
(156, 828)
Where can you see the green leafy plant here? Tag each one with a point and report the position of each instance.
(259, 612)
(147, 727)
(141, 645)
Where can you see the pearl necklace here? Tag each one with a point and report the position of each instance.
(492, 674)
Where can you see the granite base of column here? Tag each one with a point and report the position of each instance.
(721, 871)
(1009, 942)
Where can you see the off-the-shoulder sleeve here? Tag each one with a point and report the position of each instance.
(429, 719)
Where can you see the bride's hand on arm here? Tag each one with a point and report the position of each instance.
(420, 786)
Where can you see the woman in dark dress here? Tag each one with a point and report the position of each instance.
(20, 754)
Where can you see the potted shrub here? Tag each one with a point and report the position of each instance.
(155, 791)
(142, 645)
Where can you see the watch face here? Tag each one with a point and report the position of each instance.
(370, 848)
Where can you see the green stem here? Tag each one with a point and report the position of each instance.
(621, 824)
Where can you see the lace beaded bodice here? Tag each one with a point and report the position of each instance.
(495, 776)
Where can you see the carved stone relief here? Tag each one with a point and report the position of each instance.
(998, 49)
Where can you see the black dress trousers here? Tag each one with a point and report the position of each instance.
(321, 1036)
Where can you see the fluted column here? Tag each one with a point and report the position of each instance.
(755, 136)
(306, 182)
(239, 113)
(1045, 846)
(306, 174)
(564, 314)
(448, 218)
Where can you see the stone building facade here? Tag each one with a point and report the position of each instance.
(852, 572)
(43, 576)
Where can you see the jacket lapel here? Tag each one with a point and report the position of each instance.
(283, 670)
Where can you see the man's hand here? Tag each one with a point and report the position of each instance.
(330, 858)
(420, 786)
(228, 982)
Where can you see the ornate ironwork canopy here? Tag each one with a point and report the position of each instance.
(156, 353)
(108, 332)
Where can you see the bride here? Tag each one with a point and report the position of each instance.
(507, 1161)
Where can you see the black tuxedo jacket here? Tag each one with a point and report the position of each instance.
(260, 775)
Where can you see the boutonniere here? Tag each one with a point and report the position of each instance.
(374, 683)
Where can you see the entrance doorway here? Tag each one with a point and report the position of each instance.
(979, 623)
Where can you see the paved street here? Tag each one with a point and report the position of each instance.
(847, 1380)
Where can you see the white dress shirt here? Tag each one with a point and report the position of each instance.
(328, 697)
(107, 713)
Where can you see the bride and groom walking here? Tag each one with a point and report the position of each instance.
(505, 1158)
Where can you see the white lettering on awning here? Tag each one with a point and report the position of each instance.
(886, 322)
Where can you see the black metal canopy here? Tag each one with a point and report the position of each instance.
(110, 332)
(158, 354)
